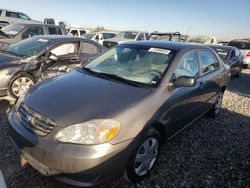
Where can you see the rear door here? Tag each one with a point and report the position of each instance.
(211, 75)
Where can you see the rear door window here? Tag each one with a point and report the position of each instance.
(141, 37)
(89, 48)
(208, 61)
(73, 33)
(12, 14)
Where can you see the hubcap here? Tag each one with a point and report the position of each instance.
(218, 103)
(146, 156)
(21, 85)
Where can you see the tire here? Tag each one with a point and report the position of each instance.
(141, 163)
(19, 84)
(238, 73)
(217, 105)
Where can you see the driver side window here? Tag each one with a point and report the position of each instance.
(188, 65)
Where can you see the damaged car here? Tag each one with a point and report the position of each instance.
(29, 61)
(110, 117)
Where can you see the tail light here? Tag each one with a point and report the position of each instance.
(248, 54)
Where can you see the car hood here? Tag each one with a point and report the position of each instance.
(119, 40)
(7, 59)
(77, 97)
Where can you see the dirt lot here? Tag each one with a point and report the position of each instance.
(211, 153)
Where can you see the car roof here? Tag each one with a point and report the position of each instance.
(10, 10)
(59, 37)
(168, 44)
(41, 24)
(241, 40)
(222, 47)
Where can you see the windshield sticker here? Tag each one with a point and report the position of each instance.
(159, 50)
(42, 40)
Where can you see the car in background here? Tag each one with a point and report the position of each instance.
(203, 40)
(10, 16)
(110, 117)
(176, 36)
(16, 32)
(125, 36)
(75, 31)
(244, 46)
(223, 43)
(38, 58)
(100, 36)
(231, 56)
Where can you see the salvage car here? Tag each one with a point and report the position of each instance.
(176, 36)
(232, 56)
(244, 46)
(125, 36)
(11, 16)
(17, 32)
(110, 117)
(29, 61)
(100, 36)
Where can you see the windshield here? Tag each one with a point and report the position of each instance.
(88, 35)
(127, 35)
(12, 30)
(222, 52)
(28, 47)
(140, 64)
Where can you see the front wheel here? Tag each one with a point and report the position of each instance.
(144, 156)
(20, 84)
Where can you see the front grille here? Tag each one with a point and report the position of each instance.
(34, 121)
(109, 44)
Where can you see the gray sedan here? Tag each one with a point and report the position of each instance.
(111, 117)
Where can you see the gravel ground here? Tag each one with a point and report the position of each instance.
(211, 153)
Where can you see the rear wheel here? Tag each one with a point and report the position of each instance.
(20, 84)
(217, 105)
(144, 156)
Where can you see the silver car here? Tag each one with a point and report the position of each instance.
(10, 16)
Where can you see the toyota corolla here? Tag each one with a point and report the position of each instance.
(110, 117)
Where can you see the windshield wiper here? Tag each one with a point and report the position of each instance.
(116, 77)
(112, 76)
(95, 73)
(9, 52)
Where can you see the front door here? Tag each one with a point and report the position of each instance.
(66, 58)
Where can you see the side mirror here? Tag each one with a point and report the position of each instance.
(184, 81)
(53, 57)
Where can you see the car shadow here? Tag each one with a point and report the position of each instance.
(241, 85)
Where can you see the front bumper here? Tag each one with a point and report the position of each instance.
(74, 164)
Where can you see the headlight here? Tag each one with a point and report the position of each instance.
(90, 133)
(3, 72)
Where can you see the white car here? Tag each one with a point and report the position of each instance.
(203, 40)
(244, 46)
(74, 31)
(100, 36)
(11, 16)
(125, 36)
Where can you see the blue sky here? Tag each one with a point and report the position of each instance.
(225, 19)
